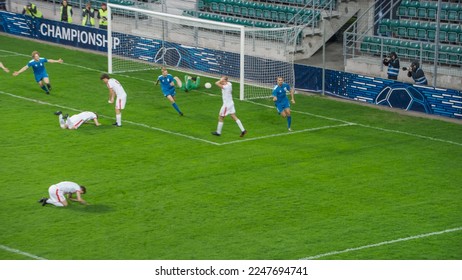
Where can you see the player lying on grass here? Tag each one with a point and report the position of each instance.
(191, 83)
(75, 121)
(59, 191)
(40, 73)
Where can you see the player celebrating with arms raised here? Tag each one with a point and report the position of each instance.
(167, 85)
(281, 101)
(115, 89)
(38, 65)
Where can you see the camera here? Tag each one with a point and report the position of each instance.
(405, 68)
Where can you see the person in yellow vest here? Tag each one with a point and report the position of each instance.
(32, 11)
(66, 12)
(102, 16)
(88, 16)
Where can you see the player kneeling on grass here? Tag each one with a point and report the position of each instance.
(59, 191)
(75, 121)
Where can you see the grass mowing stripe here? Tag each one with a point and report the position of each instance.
(19, 252)
(383, 243)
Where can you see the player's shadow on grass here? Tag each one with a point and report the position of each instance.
(92, 208)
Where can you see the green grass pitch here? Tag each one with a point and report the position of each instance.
(350, 182)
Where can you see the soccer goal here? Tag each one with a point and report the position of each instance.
(142, 40)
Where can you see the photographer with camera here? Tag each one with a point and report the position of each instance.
(392, 62)
(416, 73)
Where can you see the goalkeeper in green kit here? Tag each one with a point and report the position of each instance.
(191, 83)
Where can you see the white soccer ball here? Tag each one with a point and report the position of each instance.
(208, 85)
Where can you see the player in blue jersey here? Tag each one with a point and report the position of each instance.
(167, 84)
(281, 101)
(38, 65)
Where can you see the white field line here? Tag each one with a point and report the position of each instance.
(19, 252)
(126, 121)
(263, 105)
(382, 243)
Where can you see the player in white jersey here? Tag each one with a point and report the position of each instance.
(228, 106)
(115, 90)
(59, 191)
(75, 121)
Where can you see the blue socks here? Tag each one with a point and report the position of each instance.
(176, 108)
(289, 121)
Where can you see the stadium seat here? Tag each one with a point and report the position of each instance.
(384, 27)
(375, 45)
(413, 51)
(453, 12)
(402, 9)
(403, 49)
(394, 45)
(412, 9)
(244, 12)
(422, 10)
(443, 53)
(412, 29)
(364, 47)
(453, 33)
(402, 28)
(431, 10)
(428, 51)
(455, 56)
(394, 24)
(422, 30)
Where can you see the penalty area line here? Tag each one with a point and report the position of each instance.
(382, 243)
(126, 121)
(287, 133)
(19, 252)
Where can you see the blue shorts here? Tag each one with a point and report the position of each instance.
(281, 106)
(40, 77)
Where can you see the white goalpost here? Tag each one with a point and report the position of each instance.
(144, 40)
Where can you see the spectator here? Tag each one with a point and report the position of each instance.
(102, 16)
(88, 16)
(32, 11)
(66, 12)
(392, 62)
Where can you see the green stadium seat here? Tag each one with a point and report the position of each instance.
(244, 11)
(394, 45)
(402, 28)
(422, 10)
(364, 47)
(237, 8)
(394, 24)
(422, 30)
(444, 11)
(386, 45)
(453, 12)
(402, 9)
(412, 29)
(412, 9)
(428, 51)
(453, 33)
(431, 10)
(403, 49)
(385, 27)
(251, 12)
(413, 51)
(455, 56)
(443, 53)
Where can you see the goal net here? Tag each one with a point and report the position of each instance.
(254, 57)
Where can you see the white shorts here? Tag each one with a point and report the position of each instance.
(55, 194)
(227, 109)
(120, 103)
